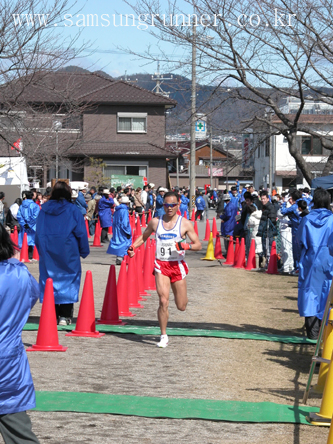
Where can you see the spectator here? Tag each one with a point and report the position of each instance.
(267, 227)
(201, 205)
(159, 202)
(184, 201)
(11, 218)
(90, 215)
(18, 294)
(286, 240)
(122, 233)
(228, 219)
(81, 203)
(315, 239)
(105, 215)
(139, 205)
(61, 238)
(303, 208)
(27, 218)
(2, 207)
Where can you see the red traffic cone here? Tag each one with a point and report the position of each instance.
(15, 235)
(24, 256)
(123, 306)
(149, 216)
(97, 237)
(146, 267)
(110, 231)
(214, 229)
(110, 314)
(35, 254)
(47, 336)
(179, 213)
(196, 228)
(241, 255)
(207, 235)
(251, 260)
(132, 285)
(85, 324)
(236, 251)
(185, 215)
(138, 255)
(218, 250)
(230, 253)
(272, 265)
(152, 250)
(12, 237)
(87, 228)
(143, 220)
(193, 216)
(138, 231)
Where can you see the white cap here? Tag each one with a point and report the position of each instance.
(74, 194)
(163, 189)
(247, 185)
(106, 191)
(152, 185)
(124, 200)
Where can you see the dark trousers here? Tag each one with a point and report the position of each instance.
(104, 235)
(15, 428)
(198, 213)
(312, 325)
(30, 251)
(64, 310)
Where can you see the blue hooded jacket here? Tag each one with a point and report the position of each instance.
(61, 238)
(159, 206)
(316, 263)
(200, 203)
(27, 214)
(104, 211)
(120, 241)
(230, 212)
(81, 203)
(184, 205)
(19, 293)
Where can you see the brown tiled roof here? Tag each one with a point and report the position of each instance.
(88, 88)
(286, 173)
(307, 118)
(125, 149)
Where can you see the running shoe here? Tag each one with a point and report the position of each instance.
(164, 341)
(62, 321)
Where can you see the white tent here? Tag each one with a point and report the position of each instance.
(13, 177)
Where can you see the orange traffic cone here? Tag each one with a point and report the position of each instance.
(132, 285)
(214, 229)
(47, 336)
(85, 324)
(138, 231)
(251, 260)
(241, 255)
(207, 235)
(230, 252)
(143, 220)
(110, 230)
(87, 228)
(15, 235)
(152, 265)
(110, 314)
(272, 265)
(35, 255)
(193, 216)
(123, 306)
(24, 256)
(236, 251)
(218, 250)
(97, 237)
(196, 228)
(149, 216)
(185, 215)
(138, 256)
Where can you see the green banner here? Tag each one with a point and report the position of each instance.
(123, 181)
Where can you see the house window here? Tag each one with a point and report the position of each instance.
(125, 170)
(132, 122)
(309, 145)
(267, 142)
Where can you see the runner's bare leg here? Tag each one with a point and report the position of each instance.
(163, 290)
(179, 289)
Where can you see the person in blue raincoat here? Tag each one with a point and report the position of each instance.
(19, 292)
(80, 202)
(61, 238)
(159, 210)
(27, 217)
(295, 219)
(315, 239)
(105, 214)
(201, 205)
(184, 201)
(122, 233)
(228, 219)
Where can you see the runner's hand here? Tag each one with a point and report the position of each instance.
(180, 246)
(130, 251)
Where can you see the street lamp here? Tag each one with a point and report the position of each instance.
(57, 125)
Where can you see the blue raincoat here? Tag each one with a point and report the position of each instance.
(81, 203)
(104, 211)
(19, 293)
(295, 219)
(235, 200)
(184, 205)
(316, 263)
(120, 241)
(159, 211)
(27, 214)
(230, 212)
(61, 238)
(200, 203)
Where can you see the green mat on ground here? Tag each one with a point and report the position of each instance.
(235, 411)
(142, 330)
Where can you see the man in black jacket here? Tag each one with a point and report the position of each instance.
(267, 225)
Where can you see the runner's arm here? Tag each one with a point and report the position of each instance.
(142, 239)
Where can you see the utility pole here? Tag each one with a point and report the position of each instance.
(211, 160)
(177, 164)
(193, 117)
(159, 79)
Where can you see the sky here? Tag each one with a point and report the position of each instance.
(108, 41)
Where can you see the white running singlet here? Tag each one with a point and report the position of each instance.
(166, 242)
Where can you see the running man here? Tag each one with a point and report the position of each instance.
(170, 267)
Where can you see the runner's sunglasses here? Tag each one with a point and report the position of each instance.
(170, 205)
